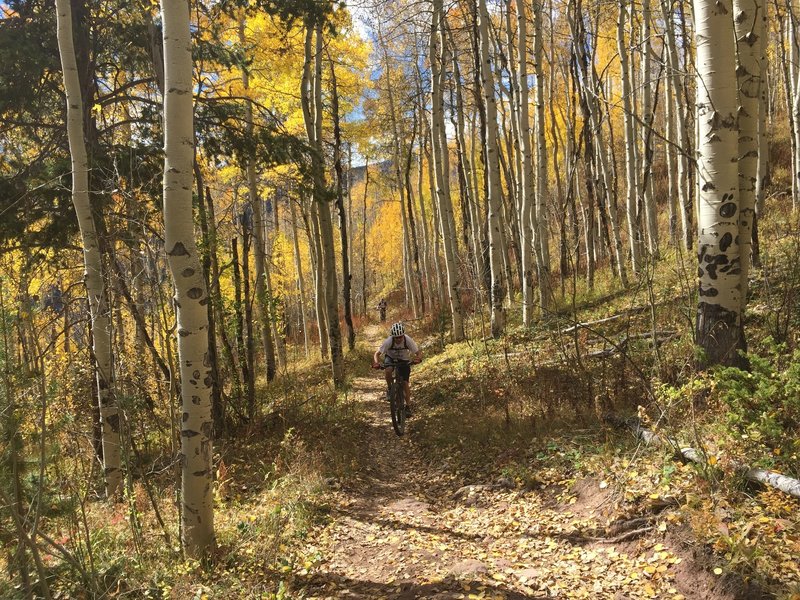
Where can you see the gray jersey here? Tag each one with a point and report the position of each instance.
(401, 350)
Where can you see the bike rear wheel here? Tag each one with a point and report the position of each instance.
(397, 406)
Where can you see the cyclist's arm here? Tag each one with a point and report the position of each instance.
(376, 358)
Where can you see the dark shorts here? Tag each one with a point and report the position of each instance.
(403, 371)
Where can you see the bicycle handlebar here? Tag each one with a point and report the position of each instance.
(395, 363)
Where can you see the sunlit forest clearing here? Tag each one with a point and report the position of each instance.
(583, 218)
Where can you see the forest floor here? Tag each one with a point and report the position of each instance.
(407, 524)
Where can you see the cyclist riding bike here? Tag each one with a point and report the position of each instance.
(398, 347)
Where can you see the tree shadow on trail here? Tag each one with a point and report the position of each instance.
(333, 585)
(395, 524)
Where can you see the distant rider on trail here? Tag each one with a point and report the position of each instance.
(382, 309)
(398, 346)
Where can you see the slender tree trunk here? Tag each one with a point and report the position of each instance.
(681, 131)
(298, 265)
(92, 258)
(328, 258)
(719, 315)
(190, 290)
(241, 350)
(762, 177)
(493, 173)
(441, 167)
(750, 80)
(262, 304)
(526, 212)
(542, 196)
(364, 237)
(630, 142)
(217, 408)
(337, 165)
(646, 133)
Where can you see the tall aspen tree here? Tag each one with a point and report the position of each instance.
(92, 257)
(314, 232)
(646, 132)
(747, 14)
(681, 139)
(441, 168)
(719, 315)
(493, 174)
(197, 514)
(542, 195)
(630, 143)
(328, 258)
(262, 301)
(526, 215)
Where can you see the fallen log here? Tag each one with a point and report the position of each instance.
(778, 481)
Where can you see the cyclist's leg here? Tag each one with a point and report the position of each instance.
(404, 373)
(389, 374)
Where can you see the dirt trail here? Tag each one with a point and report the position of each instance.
(400, 530)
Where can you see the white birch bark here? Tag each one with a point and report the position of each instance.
(630, 142)
(542, 195)
(747, 13)
(526, 175)
(325, 222)
(441, 167)
(493, 174)
(191, 295)
(718, 327)
(92, 258)
(681, 133)
(646, 135)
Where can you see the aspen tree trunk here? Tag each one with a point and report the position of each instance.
(719, 315)
(262, 301)
(416, 267)
(328, 259)
(493, 174)
(424, 126)
(650, 209)
(542, 196)
(298, 265)
(762, 176)
(92, 259)
(337, 165)
(671, 158)
(526, 216)
(364, 237)
(216, 300)
(747, 14)
(241, 351)
(217, 408)
(250, 350)
(423, 213)
(314, 232)
(465, 162)
(681, 138)
(197, 515)
(795, 77)
(630, 142)
(441, 167)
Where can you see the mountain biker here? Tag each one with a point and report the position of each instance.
(398, 346)
(382, 308)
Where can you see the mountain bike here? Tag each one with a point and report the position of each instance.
(397, 397)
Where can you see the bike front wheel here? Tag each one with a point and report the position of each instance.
(397, 406)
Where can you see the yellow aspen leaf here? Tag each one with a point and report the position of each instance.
(718, 571)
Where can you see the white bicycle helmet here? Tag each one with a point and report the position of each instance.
(397, 329)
